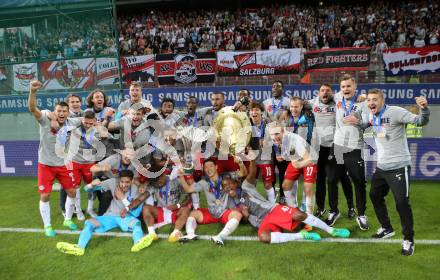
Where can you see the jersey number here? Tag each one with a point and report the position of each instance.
(309, 170)
(268, 171)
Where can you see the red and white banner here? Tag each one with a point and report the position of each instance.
(23, 74)
(185, 68)
(138, 68)
(258, 63)
(106, 71)
(412, 61)
(66, 74)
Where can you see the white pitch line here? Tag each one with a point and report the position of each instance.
(237, 238)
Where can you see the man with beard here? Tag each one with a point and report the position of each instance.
(393, 163)
(217, 102)
(324, 111)
(54, 130)
(220, 209)
(167, 194)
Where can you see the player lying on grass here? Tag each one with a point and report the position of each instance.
(123, 191)
(220, 209)
(272, 218)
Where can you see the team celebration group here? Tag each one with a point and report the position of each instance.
(153, 165)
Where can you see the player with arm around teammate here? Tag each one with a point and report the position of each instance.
(219, 209)
(124, 192)
(272, 218)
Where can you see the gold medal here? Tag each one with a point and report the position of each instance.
(218, 202)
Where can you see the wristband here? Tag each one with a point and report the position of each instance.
(125, 202)
(178, 205)
(126, 208)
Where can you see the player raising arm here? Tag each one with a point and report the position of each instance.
(393, 163)
(54, 130)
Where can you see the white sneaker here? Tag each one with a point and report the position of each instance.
(188, 238)
(363, 222)
(92, 213)
(218, 240)
(80, 215)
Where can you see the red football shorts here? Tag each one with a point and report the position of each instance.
(208, 218)
(82, 170)
(281, 217)
(309, 172)
(267, 172)
(47, 174)
(160, 216)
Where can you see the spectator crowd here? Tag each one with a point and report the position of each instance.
(378, 25)
(75, 37)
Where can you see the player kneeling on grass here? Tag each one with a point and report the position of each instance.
(123, 192)
(271, 218)
(167, 193)
(219, 208)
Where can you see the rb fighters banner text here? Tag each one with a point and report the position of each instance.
(337, 59)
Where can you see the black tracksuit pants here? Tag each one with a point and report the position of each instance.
(398, 181)
(354, 163)
(329, 174)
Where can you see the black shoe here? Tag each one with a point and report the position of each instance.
(332, 217)
(384, 233)
(319, 213)
(407, 248)
(363, 222)
(351, 213)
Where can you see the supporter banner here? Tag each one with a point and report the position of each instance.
(411, 61)
(68, 74)
(107, 71)
(337, 59)
(186, 68)
(5, 79)
(23, 74)
(258, 63)
(396, 94)
(137, 68)
(20, 158)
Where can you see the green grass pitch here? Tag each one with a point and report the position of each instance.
(34, 256)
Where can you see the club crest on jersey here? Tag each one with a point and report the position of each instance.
(318, 109)
(339, 104)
